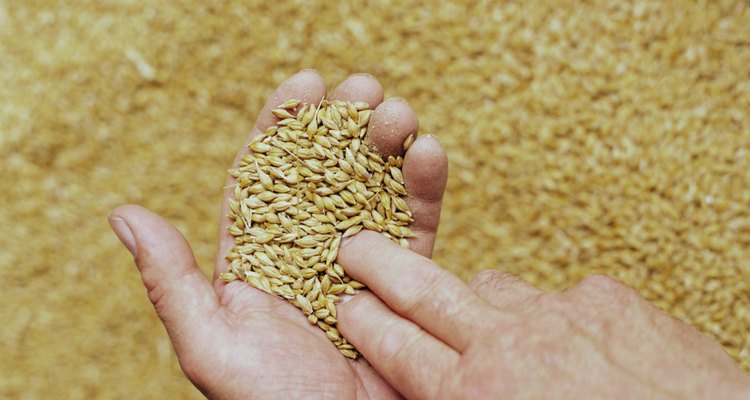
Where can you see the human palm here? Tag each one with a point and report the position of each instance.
(234, 341)
(270, 351)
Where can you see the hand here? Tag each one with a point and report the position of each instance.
(234, 341)
(433, 337)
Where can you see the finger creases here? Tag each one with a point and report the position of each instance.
(502, 289)
(414, 287)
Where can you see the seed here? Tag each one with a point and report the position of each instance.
(408, 142)
(332, 335)
(348, 353)
(270, 272)
(264, 259)
(372, 226)
(397, 187)
(282, 113)
(291, 104)
(227, 276)
(348, 223)
(336, 289)
(304, 304)
(259, 147)
(265, 180)
(309, 182)
(264, 238)
(396, 174)
(307, 241)
(352, 231)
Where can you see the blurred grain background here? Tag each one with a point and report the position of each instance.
(584, 136)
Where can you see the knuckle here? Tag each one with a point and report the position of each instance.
(603, 292)
(601, 284)
(503, 279)
(557, 310)
(395, 343)
(552, 301)
(483, 278)
(493, 279)
(427, 282)
(390, 343)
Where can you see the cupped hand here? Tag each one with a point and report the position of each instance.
(234, 341)
(433, 337)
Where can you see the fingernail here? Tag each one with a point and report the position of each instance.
(123, 232)
(433, 137)
(346, 240)
(398, 100)
(346, 297)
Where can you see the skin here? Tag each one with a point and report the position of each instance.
(500, 338)
(424, 333)
(233, 340)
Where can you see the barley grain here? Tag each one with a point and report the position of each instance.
(309, 182)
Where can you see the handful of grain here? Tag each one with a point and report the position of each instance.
(309, 182)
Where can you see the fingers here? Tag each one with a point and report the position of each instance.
(414, 287)
(359, 87)
(307, 86)
(411, 360)
(425, 164)
(181, 294)
(502, 289)
(425, 174)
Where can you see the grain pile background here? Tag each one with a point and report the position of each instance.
(584, 137)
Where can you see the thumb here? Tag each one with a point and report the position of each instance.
(180, 293)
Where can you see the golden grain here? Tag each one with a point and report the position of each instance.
(309, 182)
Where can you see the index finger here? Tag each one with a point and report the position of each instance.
(414, 287)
